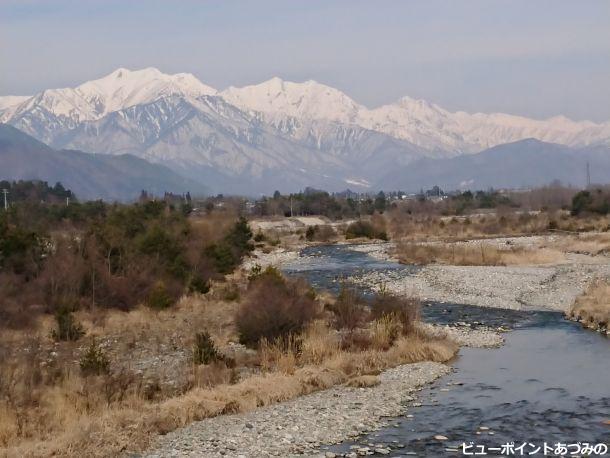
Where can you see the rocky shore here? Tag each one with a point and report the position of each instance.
(465, 336)
(275, 258)
(512, 287)
(303, 425)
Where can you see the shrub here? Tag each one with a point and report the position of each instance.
(318, 342)
(222, 256)
(364, 229)
(255, 271)
(405, 309)
(227, 253)
(281, 354)
(158, 297)
(274, 308)
(94, 361)
(349, 310)
(385, 330)
(357, 340)
(322, 233)
(204, 351)
(310, 232)
(67, 327)
(240, 236)
(230, 292)
(581, 202)
(199, 285)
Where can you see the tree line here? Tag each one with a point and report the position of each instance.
(57, 259)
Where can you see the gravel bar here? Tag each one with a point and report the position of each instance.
(302, 425)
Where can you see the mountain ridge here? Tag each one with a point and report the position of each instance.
(90, 176)
(274, 135)
(522, 164)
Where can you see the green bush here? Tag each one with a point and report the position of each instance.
(204, 350)
(228, 253)
(310, 233)
(199, 285)
(581, 202)
(255, 271)
(94, 361)
(223, 257)
(67, 327)
(158, 297)
(595, 201)
(364, 229)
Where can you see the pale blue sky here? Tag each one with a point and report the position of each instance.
(531, 57)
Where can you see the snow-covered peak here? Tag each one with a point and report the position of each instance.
(120, 89)
(9, 101)
(301, 110)
(124, 88)
(308, 100)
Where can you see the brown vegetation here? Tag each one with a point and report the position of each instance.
(502, 223)
(468, 254)
(102, 396)
(592, 308)
(590, 244)
(274, 307)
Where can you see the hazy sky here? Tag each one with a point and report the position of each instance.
(532, 57)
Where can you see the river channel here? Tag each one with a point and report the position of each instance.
(549, 383)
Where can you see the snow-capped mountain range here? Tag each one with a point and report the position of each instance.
(276, 134)
(419, 122)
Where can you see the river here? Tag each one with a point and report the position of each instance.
(549, 383)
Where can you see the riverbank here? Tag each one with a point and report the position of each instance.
(592, 309)
(304, 424)
(523, 287)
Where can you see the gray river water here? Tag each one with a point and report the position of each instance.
(550, 382)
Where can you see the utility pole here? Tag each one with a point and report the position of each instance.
(291, 205)
(588, 175)
(5, 192)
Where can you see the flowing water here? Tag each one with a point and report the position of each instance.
(549, 383)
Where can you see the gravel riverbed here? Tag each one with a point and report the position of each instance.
(543, 287)
(304, 424)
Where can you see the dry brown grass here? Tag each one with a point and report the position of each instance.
(48, 408)
(426, 227)
(84, 423)
(591, 244)
(592, 308)
(384, 331)
(480, 254)
(319, 343)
